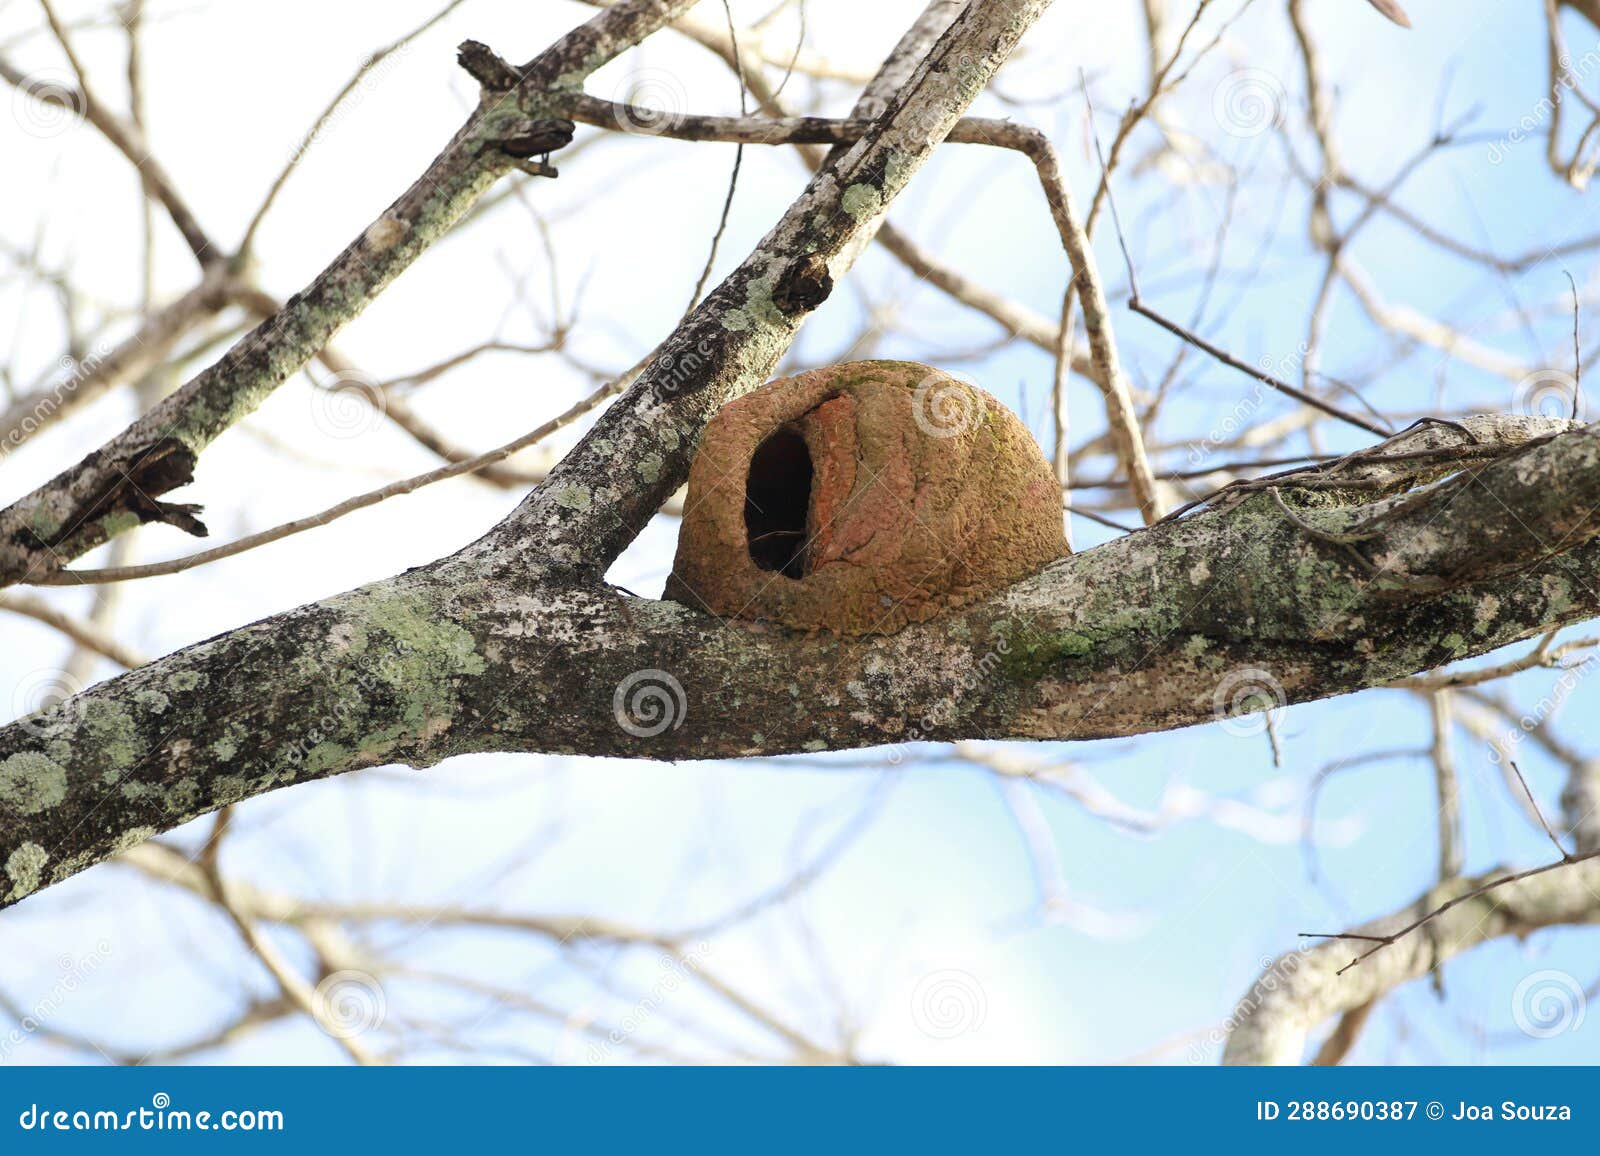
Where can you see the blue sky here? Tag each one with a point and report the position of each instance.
(940, 878)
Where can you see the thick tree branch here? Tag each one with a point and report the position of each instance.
(479, 653)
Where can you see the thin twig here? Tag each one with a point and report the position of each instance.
(349, 505)
(1448, 784)
(294, 986)
(86, 634)
(1382, 941)
(1135, 304)
(733, 178)
(1566, 856)
(247, 243)
(1263, 377)
(1577, 353)
(1079, 511)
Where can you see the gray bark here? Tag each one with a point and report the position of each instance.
(483, 652)
(1300, 990)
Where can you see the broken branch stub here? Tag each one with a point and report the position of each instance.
(863, 497)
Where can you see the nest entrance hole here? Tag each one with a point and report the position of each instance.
(777, 498)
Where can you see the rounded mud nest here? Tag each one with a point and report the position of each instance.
(860, 498)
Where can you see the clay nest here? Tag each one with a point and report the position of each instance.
(861, 498)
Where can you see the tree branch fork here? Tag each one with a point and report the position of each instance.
(383, 673)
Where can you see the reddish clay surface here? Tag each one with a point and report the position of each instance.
(925, 493)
